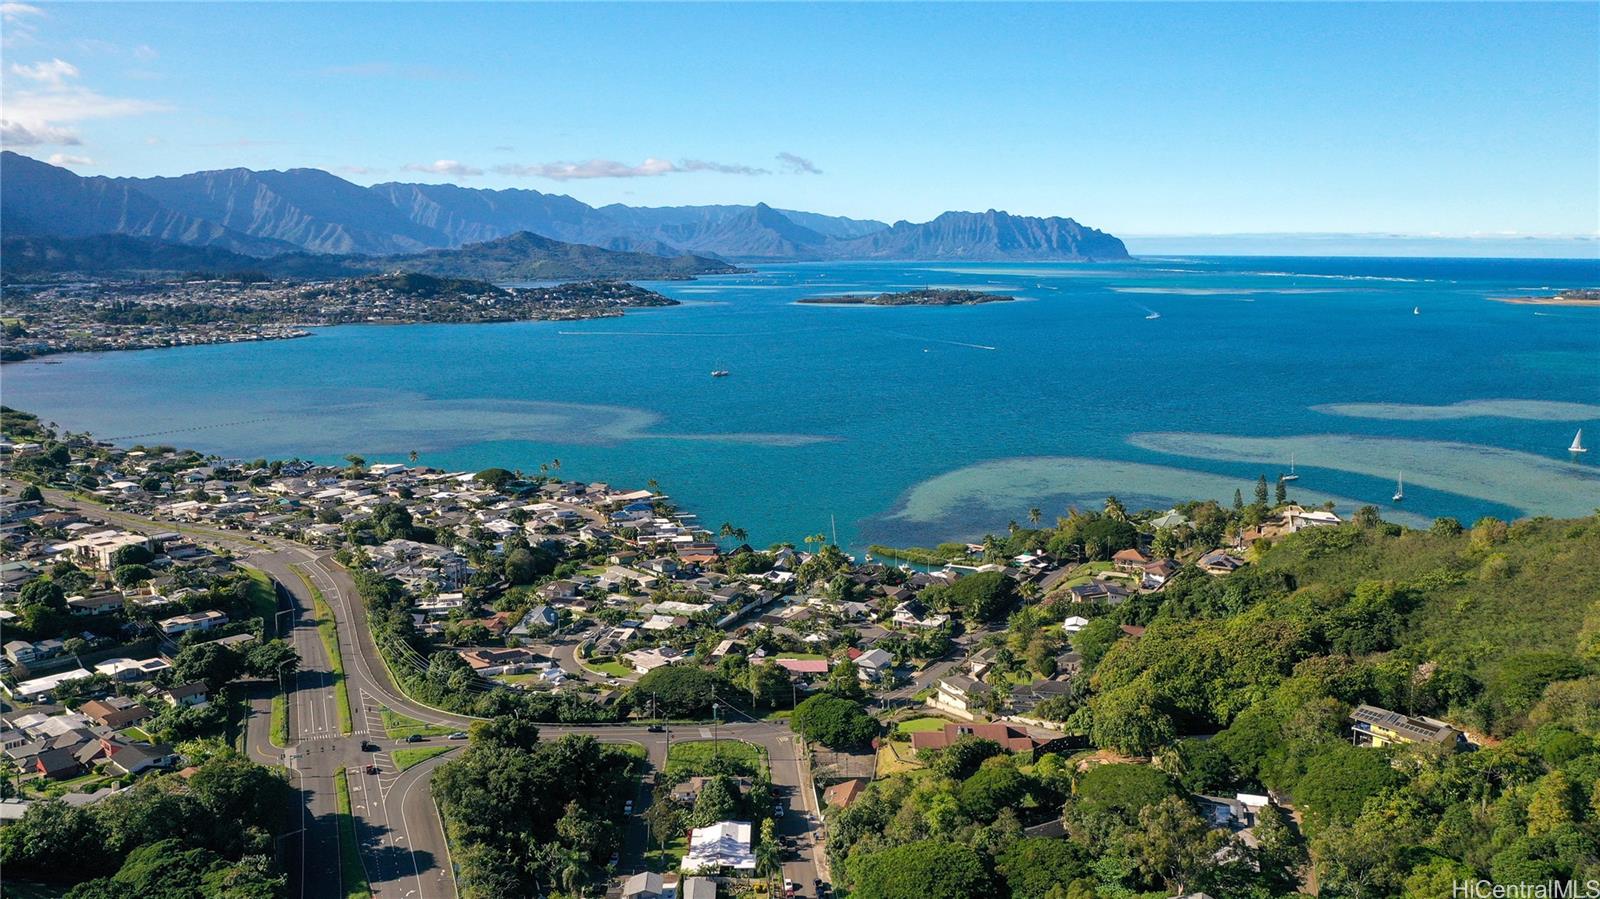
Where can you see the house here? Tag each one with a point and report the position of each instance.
(644, 885)
(21, 652)
(192, 695)
(197, 621)
(1027, 697)
(1374, 726)
(40, 686)
(1219, 562)
(697, 888)
(960, 696)
(57, 764)
(725, 844)
(540, 619)
(1074, 623)
(912, 613)
(1099, 591)
(688, 791)
(1011, 739)
(1131, 560)
(115, 712)
(489, 662)
(645, 661)
(130, 669)
(873, 664)
(841, 794)
(1296, 519)
(132, 758)
(94, 606)
(1157, 573)
(803, 667)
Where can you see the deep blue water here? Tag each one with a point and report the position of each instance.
(835, 414)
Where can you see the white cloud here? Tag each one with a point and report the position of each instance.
(16, 12)
(797, 165)
(20, 30)
(54, 72)
(68, 159)
(444, 167)
(610, 168)
(17, 134)
(145, 53)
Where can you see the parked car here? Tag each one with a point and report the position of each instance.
(777, 810)
(372, 769)
(627, 807)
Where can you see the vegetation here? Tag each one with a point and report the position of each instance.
(833, 721)
(406, 758)
(530, 817)
(702, 758)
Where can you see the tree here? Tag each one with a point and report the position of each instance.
(1445, 527)
(128, 575)
(271, 658)
(212, 663)
(1554, 804)
(1132, 719)
(833, 721)
(1238, 500)
(357, 464)
(1338, 780)
(677, 691)
(1035, 866)
(1115, 510)
(992, 788)
(927, 869)
(718, 801)
(962, 758)
(494, 478)
(985, 596)
(1172, 844)
(1281, 493)
(1261, 490)
(1367, 517)
(132, 554)
(1034, 514)
(30, 493)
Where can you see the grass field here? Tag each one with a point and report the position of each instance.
(610, 668)
(263, 599)
(896, 758)
(279, 734)
(397, 727)
(698, 758)
(355, 877)
(328, 630)
(922, 725)
(405, 758)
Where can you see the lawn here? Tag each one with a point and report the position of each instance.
(610, 667)
(698, 758)
(896, 758)
(263, 599)
(328, 630)
(397, 727)
(355, 876)
(405, 758)
(922, 725)
(279, 734)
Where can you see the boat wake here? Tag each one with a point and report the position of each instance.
(975, 346)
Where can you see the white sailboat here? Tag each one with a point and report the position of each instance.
(1416, 310)
(1291, 476)
(1400, 488)
(1577, 443)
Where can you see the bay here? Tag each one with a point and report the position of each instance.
(918, 424)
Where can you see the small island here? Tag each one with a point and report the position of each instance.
(925, 297)
(1579, 297)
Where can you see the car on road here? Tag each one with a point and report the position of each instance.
(372, 769)
(655, 729)
(415, 738)
(458, 735)
(777, 810)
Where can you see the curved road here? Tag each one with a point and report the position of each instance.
(403, 850)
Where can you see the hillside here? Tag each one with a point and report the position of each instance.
(308, 210)
(526, 256)
(114, 254)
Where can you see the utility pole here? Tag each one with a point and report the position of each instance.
(716, 747)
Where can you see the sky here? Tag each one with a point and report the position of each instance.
(1468, 121)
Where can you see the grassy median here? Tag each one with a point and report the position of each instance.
(279, 734)
(405, 758)
(328, 630)
(355, 884)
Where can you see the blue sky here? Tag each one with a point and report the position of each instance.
(1473, 119)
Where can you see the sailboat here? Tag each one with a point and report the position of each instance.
(1291, 476)
(1577, 443)
(1400, 488)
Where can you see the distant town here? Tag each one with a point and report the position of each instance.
(69, 316)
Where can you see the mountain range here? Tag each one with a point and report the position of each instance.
(309, 211)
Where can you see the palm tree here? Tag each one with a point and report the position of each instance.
(555, 463)
(1034, 515)
(655, 487)
(413, 455)
(1115, 510)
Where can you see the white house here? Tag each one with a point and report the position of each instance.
(725, 844)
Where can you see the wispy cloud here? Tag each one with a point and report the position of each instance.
(18, 20)
(68, 159)
(44, 115)
(55, 71)
(797, 165)
(610, 168)
(444, 167)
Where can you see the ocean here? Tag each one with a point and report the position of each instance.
(1157, 380)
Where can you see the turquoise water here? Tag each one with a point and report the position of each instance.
(909, 425)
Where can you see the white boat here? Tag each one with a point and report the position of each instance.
(720, 373)
(1400, 488)
(1416, 310)
(1153, 315)
(1577, 443)
(1291, 476)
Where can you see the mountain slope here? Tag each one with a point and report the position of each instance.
(108, 254)
(41, 199)
(526, 256)
(985, 236)
(308, 208)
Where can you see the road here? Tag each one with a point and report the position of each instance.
(403, 850)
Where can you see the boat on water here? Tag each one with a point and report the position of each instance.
(720, 373)
(1291, 476)
(1577, 443)
(1153, 315)
(1416, 310)
(1400, 488)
